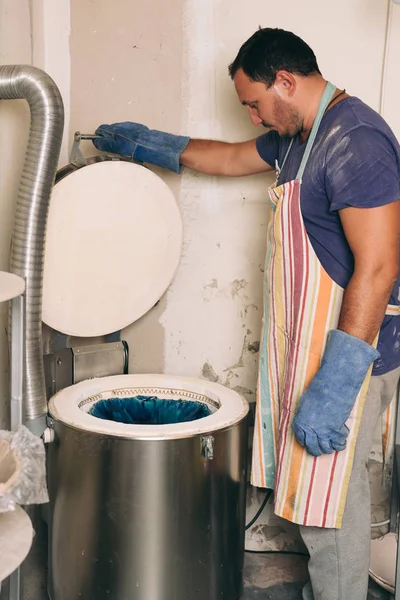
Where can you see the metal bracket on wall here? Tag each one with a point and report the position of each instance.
(114, 337)
(207, 447)
(67, 363)
(60, 341)
(76, 157)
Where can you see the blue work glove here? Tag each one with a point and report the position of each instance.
(326, 404)
(145, 145)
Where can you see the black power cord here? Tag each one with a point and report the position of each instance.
(258, 513)
(254, 519)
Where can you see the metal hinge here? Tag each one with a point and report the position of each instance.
(207, 447)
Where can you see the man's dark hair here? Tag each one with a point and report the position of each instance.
(271, 50)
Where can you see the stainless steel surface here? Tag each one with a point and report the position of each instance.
(146, 520)
(67, 366)
(207, 446)
(58, 371)
(14, 590)
(28, 239)
(99, 360)
(76, 158)
(78, 136)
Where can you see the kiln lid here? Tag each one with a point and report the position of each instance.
(113, 245)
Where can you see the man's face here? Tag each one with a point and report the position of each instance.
(267, 106)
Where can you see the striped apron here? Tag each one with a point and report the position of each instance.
(302, 304)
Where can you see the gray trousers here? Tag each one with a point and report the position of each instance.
(339, 558)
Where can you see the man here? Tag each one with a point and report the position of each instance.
(332, 287)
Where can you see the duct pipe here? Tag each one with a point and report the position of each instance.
(28, 238)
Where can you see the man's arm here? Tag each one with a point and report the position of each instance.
(172, 151)
(220, 158)
(373, 236)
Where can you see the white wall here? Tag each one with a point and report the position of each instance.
(50, 34)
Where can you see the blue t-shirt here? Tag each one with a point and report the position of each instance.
(355, 161)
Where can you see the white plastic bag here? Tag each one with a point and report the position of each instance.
(22, 469)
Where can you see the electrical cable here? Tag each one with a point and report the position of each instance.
(255, 518)
(258, 513)
(381, 524)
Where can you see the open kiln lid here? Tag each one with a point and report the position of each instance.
(113, 245)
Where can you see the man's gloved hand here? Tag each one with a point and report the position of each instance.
(139, 142)
(326, 404)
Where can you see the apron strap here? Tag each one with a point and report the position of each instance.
(323, 105)
(287, 153)
(393, 310)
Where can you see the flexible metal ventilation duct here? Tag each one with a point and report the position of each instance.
(28, 238)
